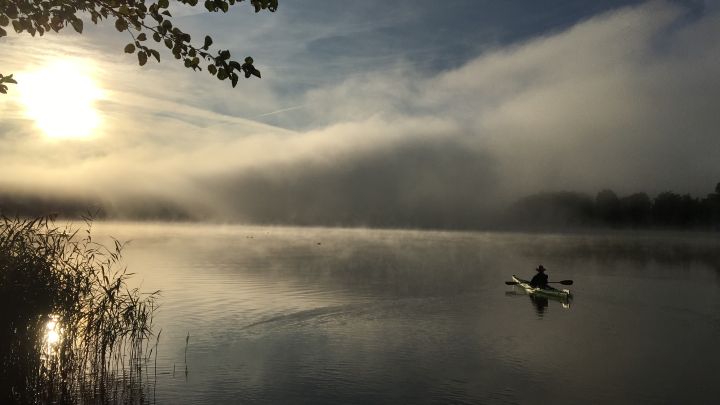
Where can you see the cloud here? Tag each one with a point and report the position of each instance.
(622, 100)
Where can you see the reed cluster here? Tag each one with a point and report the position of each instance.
(72, 330)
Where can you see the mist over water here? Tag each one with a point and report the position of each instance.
(327, 315)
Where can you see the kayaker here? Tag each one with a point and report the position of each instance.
(540, 279)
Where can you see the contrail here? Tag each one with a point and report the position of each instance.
(283, 110)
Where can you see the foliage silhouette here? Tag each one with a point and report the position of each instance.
(608, 207)
(141, 19)
(543, 210)
(54, 281)
(667, 210)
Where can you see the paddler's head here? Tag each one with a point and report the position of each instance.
(540, 268)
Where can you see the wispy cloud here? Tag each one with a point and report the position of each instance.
(282, 110)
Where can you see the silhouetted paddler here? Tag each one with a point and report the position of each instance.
(540, 279)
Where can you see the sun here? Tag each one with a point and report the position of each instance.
(60, 97)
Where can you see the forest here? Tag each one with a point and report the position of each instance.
(545, 210)
(638, 210)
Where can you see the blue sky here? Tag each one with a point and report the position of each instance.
(388, 109)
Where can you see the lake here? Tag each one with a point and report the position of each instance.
(357, 316)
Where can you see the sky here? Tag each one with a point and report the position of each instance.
(382, 113)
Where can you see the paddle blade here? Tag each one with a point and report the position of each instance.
(511, 282)
(566, 282)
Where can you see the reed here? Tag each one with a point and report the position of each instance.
(71, 328)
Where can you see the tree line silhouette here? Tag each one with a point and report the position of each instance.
(667, 210)
(546, 210)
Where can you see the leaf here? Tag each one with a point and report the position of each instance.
(3, 89)
(129, 48)
(234, 79)
(255, 72)
(157, 37)
(77, 24)
(142, 58)
(212, 69)
(120, 25)
(163, 3)
(9, 79)
(2, 33)
(142, 37)
(4, 20)
(11, 11)
(155, 54)
(208, 42)
(235, 65)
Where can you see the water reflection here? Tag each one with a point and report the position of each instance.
(52, 335)
(539, 302)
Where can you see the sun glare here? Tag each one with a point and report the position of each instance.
(60, 98)
(52, 336)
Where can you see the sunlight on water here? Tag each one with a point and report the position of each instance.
(52, 337)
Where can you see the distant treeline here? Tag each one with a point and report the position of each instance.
(607, 209)
(547, 210)
(29, 205)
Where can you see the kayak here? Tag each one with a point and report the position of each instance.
(563, 294)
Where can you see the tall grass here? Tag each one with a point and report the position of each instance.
(71, 328)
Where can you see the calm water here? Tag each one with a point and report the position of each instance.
(332, 316)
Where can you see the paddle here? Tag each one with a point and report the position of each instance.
(563, 282)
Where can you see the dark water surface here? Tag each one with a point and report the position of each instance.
(335, 316)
